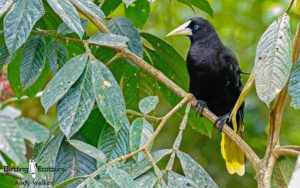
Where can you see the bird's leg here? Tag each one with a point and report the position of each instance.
(221, 121)
(200, 105)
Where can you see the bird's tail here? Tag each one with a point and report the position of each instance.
(233, 156)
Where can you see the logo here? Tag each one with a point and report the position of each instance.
(32, 168)
(34, 174)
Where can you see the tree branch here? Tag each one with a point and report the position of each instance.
(281, 151)
(296, 148)
(249, 153)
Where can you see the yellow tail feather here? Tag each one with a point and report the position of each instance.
(233, 156)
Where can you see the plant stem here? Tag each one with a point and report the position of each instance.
(155, 167)
(178, 140)
(144, 147)
(128, 111)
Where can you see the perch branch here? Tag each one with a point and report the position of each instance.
(249, 153)
(186, 99)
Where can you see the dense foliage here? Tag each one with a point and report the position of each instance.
(107, 106)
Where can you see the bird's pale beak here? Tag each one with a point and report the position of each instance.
(182, 30)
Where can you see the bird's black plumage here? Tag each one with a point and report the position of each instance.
(213, 69)
(215, 81)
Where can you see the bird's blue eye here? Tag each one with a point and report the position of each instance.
(196, 27)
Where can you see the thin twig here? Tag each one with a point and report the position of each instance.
(101, 3)
(290, 6)
(155, 167)
(128, 111)
(48, 34)
(296, 148)
(278, 152)
(115, 57)
(178, 139)
(15, 99)
(148, 143)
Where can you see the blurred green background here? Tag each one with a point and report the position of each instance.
(240, 25)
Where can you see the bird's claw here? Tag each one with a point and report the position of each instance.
(221, 121)
(200, 105)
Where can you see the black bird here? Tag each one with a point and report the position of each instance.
(215, 81)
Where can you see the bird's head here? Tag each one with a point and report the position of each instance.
(196, 28)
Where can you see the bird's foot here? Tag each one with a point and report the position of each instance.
(200, 105)
(221, 121)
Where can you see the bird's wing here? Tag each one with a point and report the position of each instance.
(232, 69)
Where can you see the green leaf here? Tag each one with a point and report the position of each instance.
(89, 150)
(76, 105)
(146, 181)
(109, 6)
(128, 2)
(63, 28)
(137, 169)
(92, 127)
(7, 181)
(48, 156)
(138, 12)
(57, 55)
(5, 57)
(32, 131)
(4, 6)
(67, 182)
(11, 140)
(108, 40)
(33, 62)
(201, 4)
(19, 22)
(13, 71)
(63, 81)
(90, 8)
(67, 12)
(201, 124)
(94, 184)
(140, 132)
(282, 172)
(76, 162)
(124, 27)
(148, 104)
(168, 60)
(273, 60)
(178, 181)
(121, 177)
(294, 86)
(194, 171)
(108, 96)
(129, 78)
(114, 144)
(38, 85)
